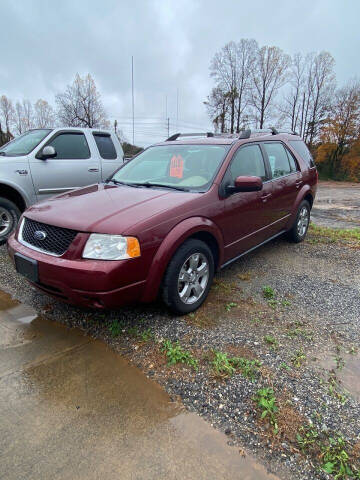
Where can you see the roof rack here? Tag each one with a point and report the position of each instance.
(177, 135)
(270, 131)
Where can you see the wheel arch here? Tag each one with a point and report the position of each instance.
(304, 194)
(195, 227)
(14, 195)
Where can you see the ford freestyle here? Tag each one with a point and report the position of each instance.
(165, 221)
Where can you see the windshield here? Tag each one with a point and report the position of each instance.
(25, 143)
(181, 167)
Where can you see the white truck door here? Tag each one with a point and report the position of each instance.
(110, 151)
(73, 166)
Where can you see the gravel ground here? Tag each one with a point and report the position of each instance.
(314, 315)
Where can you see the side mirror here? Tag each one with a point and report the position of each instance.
(48, 152)
(245, 184)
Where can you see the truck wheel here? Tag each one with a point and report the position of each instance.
(299, 229)
(189, 276)
(9, 217)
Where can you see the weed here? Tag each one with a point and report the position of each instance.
(285, 303)
(146, 335)
(298, 331)
(176, 354)
(330, 235)
(336, 459)
(352, 350)
(230, 305)
(307, 437)
(299, 358)
(266, 400)
(268, 292)
(270, 340)
(224, 365)
(273, 303)
(133, 331)
(285, 366)
(340, 362)
(333, 391)
(116, 328)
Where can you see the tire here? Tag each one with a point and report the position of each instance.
(298, 231)
(9, 218)
(187, 282)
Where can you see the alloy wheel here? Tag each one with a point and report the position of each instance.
(193, 278)
(303, 221)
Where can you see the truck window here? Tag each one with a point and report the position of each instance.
(70, 145)
(105, 146)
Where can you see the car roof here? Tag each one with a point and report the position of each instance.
(82, 129)
(229, 139)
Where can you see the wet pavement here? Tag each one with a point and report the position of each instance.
(71, 408)
(337, 205)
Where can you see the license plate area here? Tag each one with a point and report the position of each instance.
(27, 267)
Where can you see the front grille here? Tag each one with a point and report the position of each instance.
(56, 239)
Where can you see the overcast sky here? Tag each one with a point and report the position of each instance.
(45, 43)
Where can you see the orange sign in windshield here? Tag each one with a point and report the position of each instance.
(176, 166)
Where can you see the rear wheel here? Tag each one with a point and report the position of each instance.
(300, 227)
(188, 277)
(9, 217)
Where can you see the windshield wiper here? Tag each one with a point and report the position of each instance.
(149, 185)
(121, 183)
(3, 154)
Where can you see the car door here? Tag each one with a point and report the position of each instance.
(246, 214)
(72, 167)
(286, 179)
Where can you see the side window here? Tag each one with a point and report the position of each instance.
(278, 159)
(292, 161)
(70, 145)
(300, 148)
(105, 146)
(248, 161)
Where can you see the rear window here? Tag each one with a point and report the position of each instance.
(105, 146)
(300, 148)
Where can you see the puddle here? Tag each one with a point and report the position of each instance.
(348, 374)
(72, 408)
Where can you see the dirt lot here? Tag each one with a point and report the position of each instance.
(286, 319)
(337, 205)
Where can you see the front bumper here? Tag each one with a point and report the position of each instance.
(88, 283)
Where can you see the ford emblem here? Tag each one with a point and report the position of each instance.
(40, 235)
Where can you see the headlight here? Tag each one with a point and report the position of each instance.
(111, 247)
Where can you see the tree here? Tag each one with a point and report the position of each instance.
(7, 112)
(80, 105)
(28, 114)
(44, 114)
(19, 118)
(269, 75)
(341, 129)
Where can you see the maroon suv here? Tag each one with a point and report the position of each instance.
(168, 219)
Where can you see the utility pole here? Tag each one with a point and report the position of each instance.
(132, 94)
(177, 109)
(168, 127)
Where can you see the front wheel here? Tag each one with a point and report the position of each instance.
(300, 227)
(9, 217)
(189, 276)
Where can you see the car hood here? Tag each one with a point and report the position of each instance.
(106, 208)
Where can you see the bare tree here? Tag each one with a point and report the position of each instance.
(7, 112)
(269, 76)
(28, 113)
(44, 114)
(19, 118)
(217, 105)
(246, 51)
(80, 105)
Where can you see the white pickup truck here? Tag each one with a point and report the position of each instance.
(45, 162)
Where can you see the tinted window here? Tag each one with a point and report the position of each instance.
(248, 161)
(300, 148)
(70, 145)
(105, 146)
(278, 159)
(292, 161)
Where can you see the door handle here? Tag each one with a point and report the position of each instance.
(265, 197)
(93, 170)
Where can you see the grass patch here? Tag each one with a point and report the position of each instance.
(116, 328)
(299, 358)
(268, 292)
(334, 235)
(176, 354)
(270, 340)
